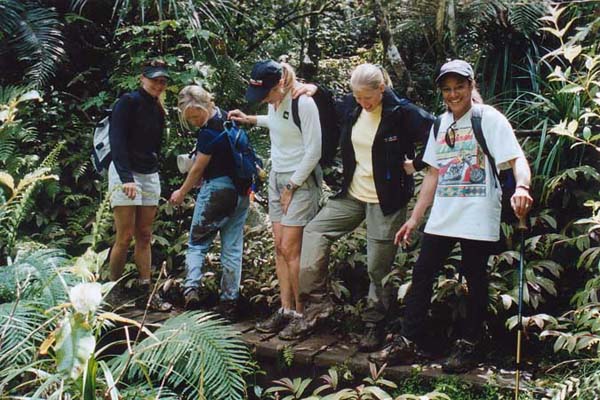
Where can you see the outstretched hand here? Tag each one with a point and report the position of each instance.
(238, 116)
(404, 233)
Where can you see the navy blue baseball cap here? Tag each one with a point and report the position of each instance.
(155, 72)
(459, 67)
(265, 76)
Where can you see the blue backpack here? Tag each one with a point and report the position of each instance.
(246, 163)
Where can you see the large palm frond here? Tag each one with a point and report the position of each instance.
(22, 330)
(35, 37)
(520, 16)
(195, 354)
(36, 276)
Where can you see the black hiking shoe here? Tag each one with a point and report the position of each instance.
(372, 339)
(298, 328)
(192, 299)
(275, 323)
(400, 351)
(228, 309)
(462, 359)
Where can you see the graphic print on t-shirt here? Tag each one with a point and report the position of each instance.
(461, 168)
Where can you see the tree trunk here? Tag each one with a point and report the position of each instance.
(393, 56)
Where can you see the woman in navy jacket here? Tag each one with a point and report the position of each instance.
(136, 128)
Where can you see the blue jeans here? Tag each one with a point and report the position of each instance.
(218, 208)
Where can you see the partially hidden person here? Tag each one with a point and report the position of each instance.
(221, 205)
(379, 130)
(294, 180)
(136, 130)
(465, 192)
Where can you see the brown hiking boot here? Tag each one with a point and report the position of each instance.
(275, 323)
(298, 328)
(154, 303)
(399, 351)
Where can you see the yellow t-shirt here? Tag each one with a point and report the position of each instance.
(362, 186)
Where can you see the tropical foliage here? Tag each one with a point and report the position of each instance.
(63, 63)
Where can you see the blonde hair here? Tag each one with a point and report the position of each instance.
(369, 75)
(193, 96)
(288, 76)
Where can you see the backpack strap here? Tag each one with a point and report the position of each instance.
(476, 115)
(296, 113)
(436, 126)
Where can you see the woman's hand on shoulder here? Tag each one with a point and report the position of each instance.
(238, 116)
(308, 89)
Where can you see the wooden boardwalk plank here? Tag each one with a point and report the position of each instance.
(325, 350)
(305, 351)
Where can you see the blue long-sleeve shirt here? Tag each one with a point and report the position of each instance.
(136, 126)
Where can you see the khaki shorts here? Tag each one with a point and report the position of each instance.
(147, 185)
(305, 201)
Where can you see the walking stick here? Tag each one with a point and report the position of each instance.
(522, 228)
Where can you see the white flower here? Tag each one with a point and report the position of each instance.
(86, 297)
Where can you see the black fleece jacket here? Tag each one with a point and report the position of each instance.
(402, 125)
(136, 127)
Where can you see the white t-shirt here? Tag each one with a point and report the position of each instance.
(292, 150)
(467, 200)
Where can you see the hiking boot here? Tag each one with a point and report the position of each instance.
(372, 339)
(316, 312)
(462, 359)
(228, 309)
(275, 323)
(192, 299)
(400, 351)
(146, 300)
(298, 328)
(118, 297)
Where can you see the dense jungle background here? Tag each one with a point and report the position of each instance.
(64, 62)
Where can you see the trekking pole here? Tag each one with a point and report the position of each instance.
(522, 228)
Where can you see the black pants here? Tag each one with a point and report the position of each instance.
(434, 251)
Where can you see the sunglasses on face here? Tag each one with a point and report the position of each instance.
(450, 137)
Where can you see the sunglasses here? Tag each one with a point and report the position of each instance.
(450, 137)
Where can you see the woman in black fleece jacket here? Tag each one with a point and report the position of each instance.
(136, 128)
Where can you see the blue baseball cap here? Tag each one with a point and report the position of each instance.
(155, 72)
(459, 67)
(265, 76)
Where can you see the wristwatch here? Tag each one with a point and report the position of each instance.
(291, 186)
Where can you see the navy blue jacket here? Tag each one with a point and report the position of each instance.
(402, 125)
(136, 127)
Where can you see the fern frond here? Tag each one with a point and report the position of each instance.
(36, 275)
(16, 208)
(51, 160)
(38, 41)
(20, 333)
(194, 352)
(102, 222)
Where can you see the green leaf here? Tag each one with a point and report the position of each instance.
(75, 344)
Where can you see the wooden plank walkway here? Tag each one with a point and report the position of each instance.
(324, 350)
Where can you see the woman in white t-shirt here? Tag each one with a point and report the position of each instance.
(295, 178)
(466, 209)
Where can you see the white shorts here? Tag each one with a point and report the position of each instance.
(147, 189)
(305, 201)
